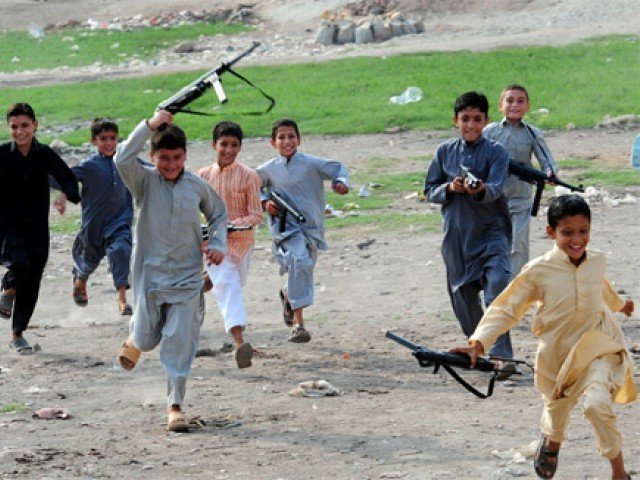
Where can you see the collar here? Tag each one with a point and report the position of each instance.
(228, 168)
(14, 148)
(479, 141)
(504, 122)
(284, 159)
(558, 254)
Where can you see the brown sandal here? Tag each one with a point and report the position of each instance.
(300, 335)
(287, 311)
(80, 294)
(177, 422)
(207, 284)
(544, 466)
(243, 355)
(6, 304)
(129, 355)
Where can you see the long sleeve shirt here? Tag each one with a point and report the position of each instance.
(300, 182)
(574, 320)
(521, 141)
(167, 254)
(239, 187)
(477, 228)
(107, 205)
(24, 186)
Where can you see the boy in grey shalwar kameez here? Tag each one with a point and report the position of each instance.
(477, 229)
(167, 268)
(299, 179)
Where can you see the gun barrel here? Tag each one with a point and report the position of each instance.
(282, 203)
(237, 58)
(402, 341)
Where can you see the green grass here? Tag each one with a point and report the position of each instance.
(579, 83)
(13, 408)
(68, 224)
(80, 47)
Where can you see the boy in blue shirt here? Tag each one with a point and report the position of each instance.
(477, 229)
(107, 215)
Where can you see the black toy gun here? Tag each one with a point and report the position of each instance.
(474, 182)
(436, 359)
(230, 229)
(539, 178)
(285, 208)
(177, 102)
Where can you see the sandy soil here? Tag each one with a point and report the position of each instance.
(393, 419)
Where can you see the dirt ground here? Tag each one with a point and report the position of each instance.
(392, 419)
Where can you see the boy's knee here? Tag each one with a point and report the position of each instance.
(146, 344)
(597, 403)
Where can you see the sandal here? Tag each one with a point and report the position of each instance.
(21, 346)
(6, 304)
(300, 335)
(176, 422)
(287, 311)
(541, 462)
(125, 309)
(129, 355)
(80, 294)
(243, 355)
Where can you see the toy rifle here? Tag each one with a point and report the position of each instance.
(230, 229)
(285, 208)
(436, 359)
(539, 178)
(177, 102)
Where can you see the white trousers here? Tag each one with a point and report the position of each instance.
(228, 279)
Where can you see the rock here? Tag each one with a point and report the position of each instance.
(381, 30)
(185, 47)
(363, 34)
(345, 33)
(326, 34)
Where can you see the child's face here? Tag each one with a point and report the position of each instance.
(227, 148)
(514, 105)
(22, 130)
(572, 236)
(470, 123)
(106, 143)
(170, 162)
(286, 141)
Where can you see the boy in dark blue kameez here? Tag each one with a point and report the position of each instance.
(477, 228)
(107, 215)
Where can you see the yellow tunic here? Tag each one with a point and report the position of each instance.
(574, 321)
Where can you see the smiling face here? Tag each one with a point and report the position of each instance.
(170, 162)
(22, 130)
(470, 123)
(286, 141)
(514, 104)
(106, 143)
(227, 148)
(572, 236)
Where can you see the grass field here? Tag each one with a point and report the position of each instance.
(578, 84)
(79, 47)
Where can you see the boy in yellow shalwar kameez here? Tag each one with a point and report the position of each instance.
(581, 348)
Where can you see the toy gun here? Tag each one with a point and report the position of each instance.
(230, 229)
(285, 208)
(539, 178)
(474, 182)
(177, 102)
(436, 359)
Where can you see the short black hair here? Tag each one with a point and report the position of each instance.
(170, 137)
(227, 129)
(471, 100)
(514, 86)
(102, 124)
(567, 206)
(283, 122)
(21, 108)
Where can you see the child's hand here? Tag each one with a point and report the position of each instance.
(214, 257)
(628, 308)
(456, 186)
(271, 207)
(60, 203)
(472, 351)
(340, 188)
(160, 118)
